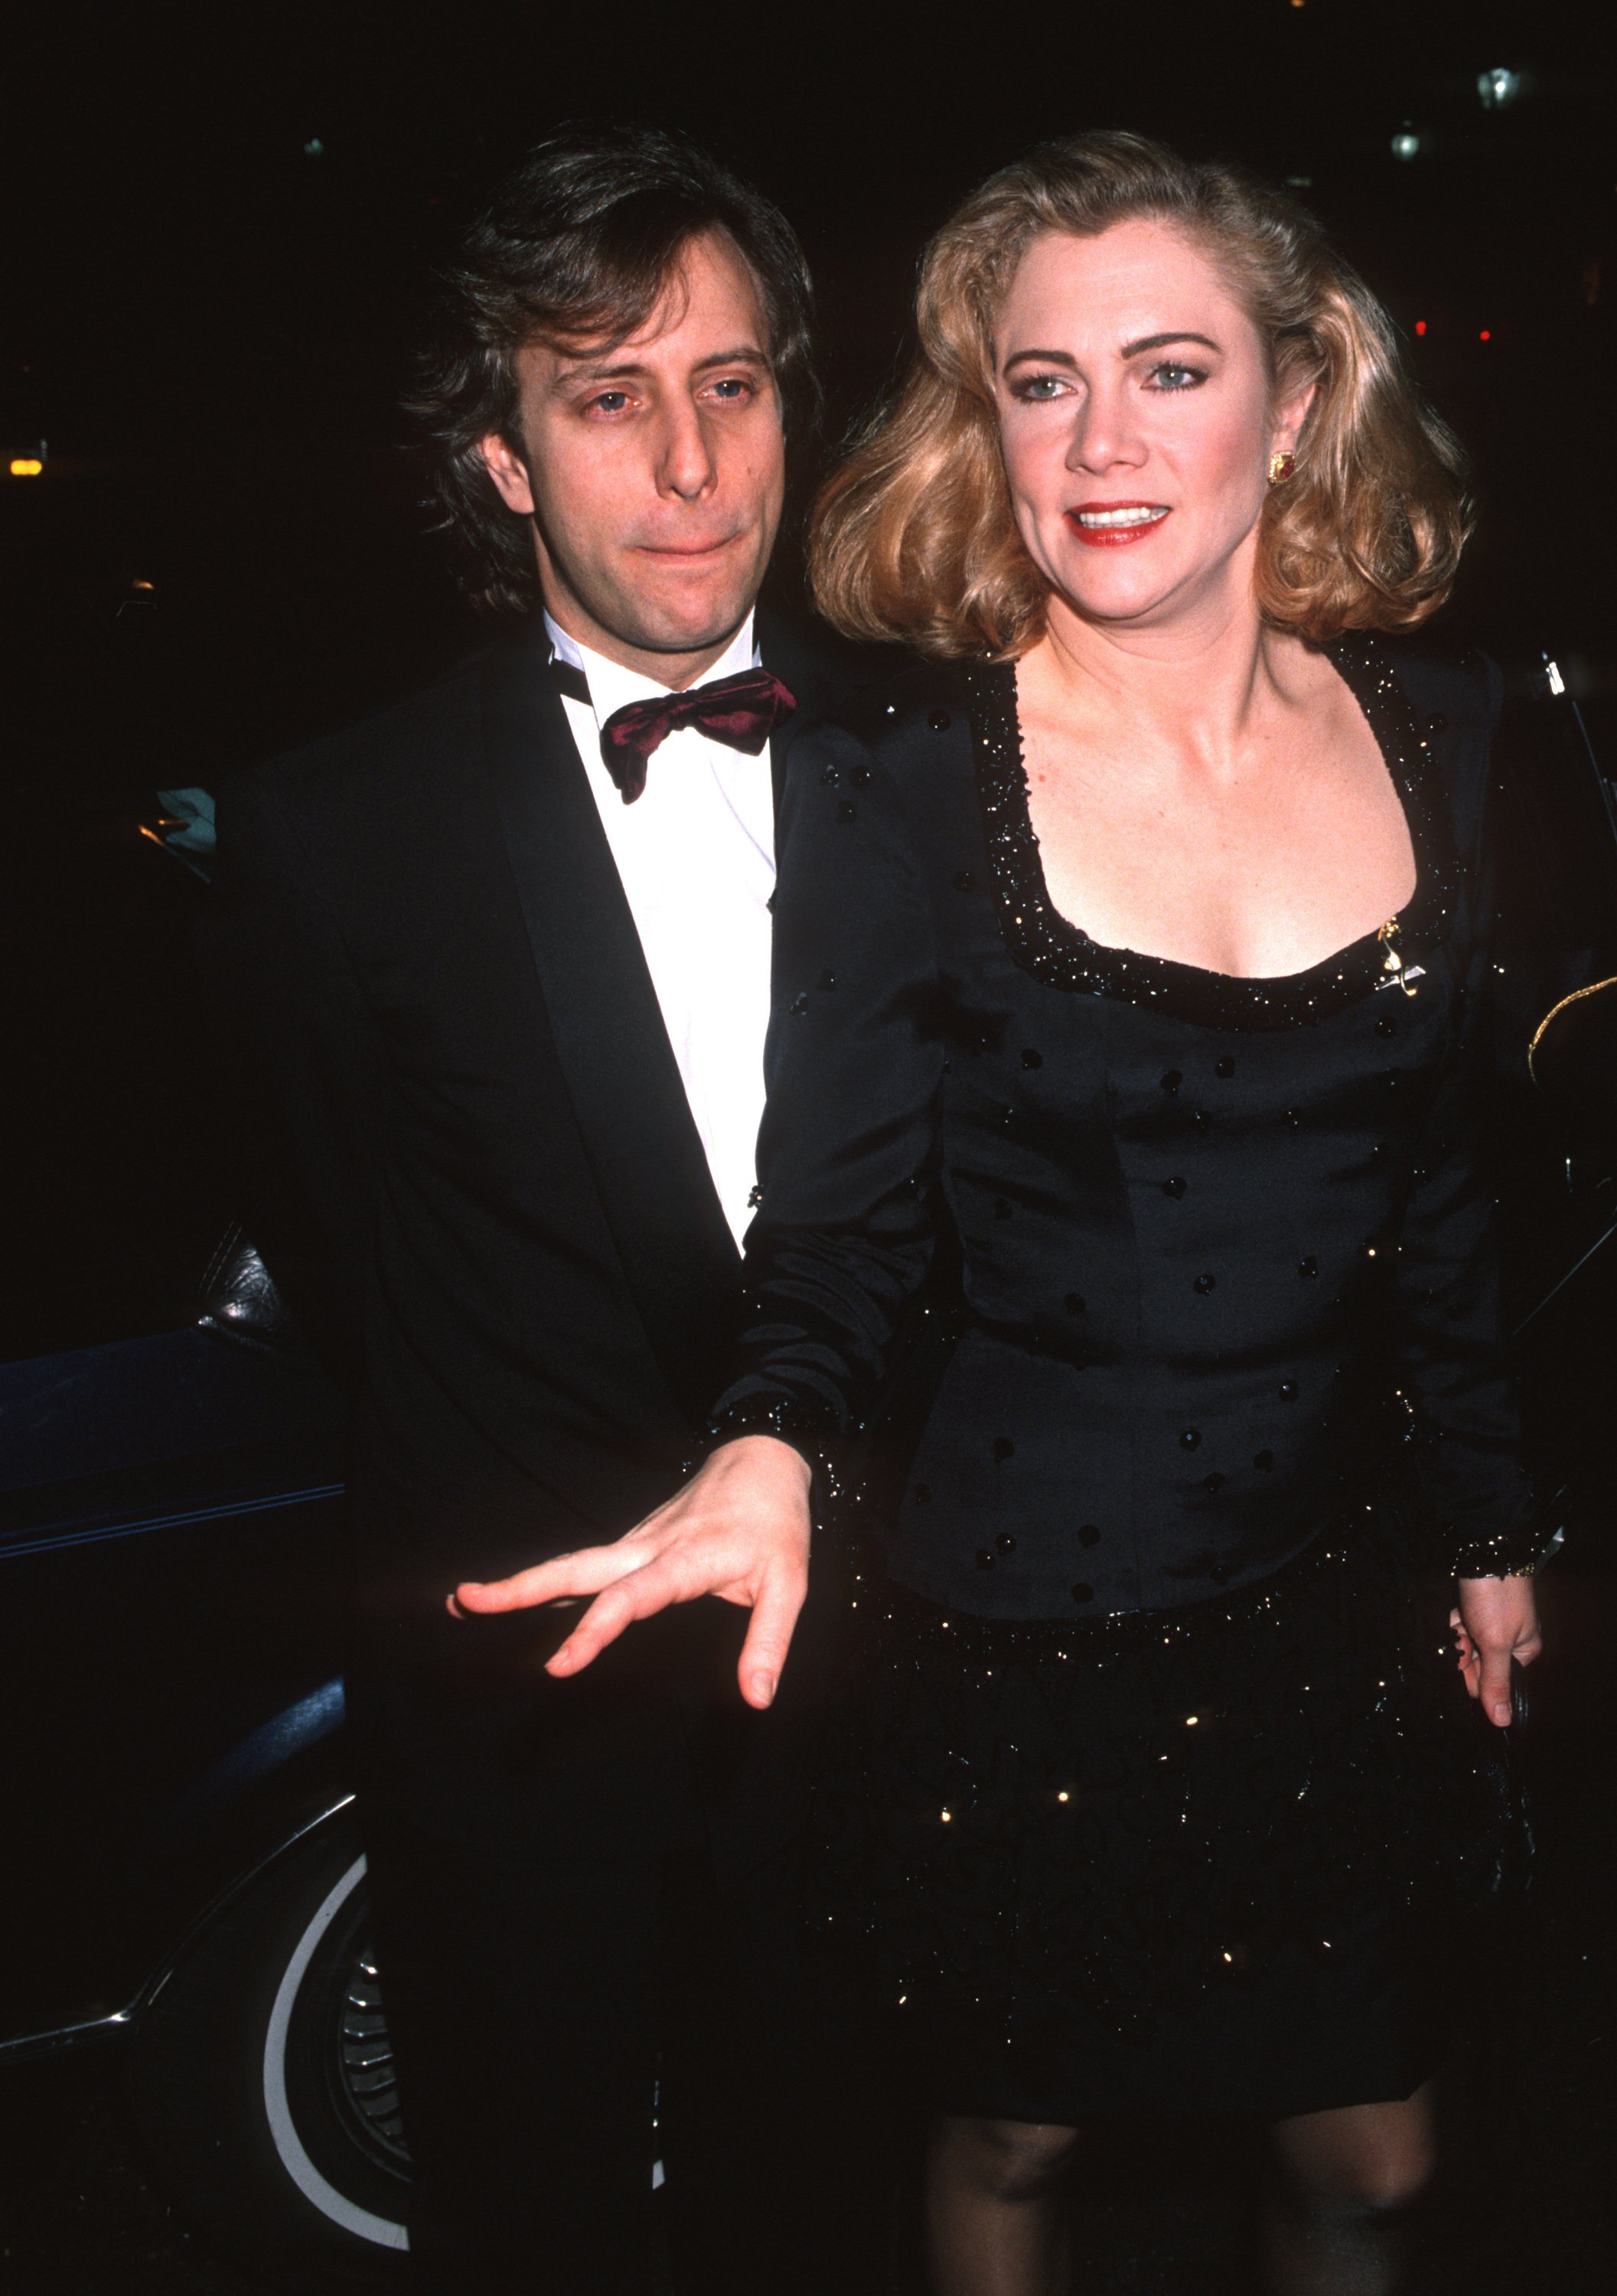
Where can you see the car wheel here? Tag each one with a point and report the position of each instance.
(264, 2078)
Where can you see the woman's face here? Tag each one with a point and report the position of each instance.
(1136, 421)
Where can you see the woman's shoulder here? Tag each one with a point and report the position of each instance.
(910, 726)
(912, 722)
(890, 770)
(1452, 688)
(1442, 703)
(1452, 691)
(909, 693)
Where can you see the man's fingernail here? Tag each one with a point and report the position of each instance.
(1501, 1713)
(763, 1686)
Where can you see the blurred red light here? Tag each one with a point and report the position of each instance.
(1485, 335)
(1420, 326)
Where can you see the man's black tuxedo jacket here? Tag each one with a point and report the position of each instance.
(474, 1173)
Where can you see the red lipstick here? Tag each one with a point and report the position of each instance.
(1109, 525)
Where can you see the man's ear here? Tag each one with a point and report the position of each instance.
(508, 471)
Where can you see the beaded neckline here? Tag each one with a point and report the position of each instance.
(1062, 956)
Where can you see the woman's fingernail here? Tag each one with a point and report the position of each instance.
(763, 1689)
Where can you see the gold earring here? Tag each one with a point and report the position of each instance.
(1281, 466)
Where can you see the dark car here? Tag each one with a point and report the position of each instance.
(185, 1878)
(183, 1882)
(184, 1873)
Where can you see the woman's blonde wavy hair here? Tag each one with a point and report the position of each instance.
(913, 536)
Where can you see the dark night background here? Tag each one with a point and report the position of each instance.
(217, 225)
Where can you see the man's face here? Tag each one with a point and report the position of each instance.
(653, 471)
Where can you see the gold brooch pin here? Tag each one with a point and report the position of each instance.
(1392, 963)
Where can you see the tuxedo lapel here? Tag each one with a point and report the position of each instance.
(678, 1258)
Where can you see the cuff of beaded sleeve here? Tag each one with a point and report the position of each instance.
(1512, 1554)
(810, 1432)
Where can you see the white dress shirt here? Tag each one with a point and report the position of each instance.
(695, 853)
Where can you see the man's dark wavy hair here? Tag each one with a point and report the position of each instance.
(575, 247)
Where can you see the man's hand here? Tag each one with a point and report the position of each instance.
(739, 1529)
(1497, 1619)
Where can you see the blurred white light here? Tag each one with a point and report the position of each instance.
(1498, 87)
(1406, 144)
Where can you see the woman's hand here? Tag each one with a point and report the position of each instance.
(1496, 1619)
(739, 1529)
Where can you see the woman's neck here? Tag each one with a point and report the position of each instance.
(1192, 687)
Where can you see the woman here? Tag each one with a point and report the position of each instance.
(1141, 937)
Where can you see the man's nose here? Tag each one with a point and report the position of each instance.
(685, 460)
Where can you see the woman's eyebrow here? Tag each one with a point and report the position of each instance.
(1047, 358)
(1129, 351)
(1161, 342)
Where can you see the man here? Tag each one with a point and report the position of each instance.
(495, 966)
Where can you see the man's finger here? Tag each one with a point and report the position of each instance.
(1495, 1690)
(769, 1633)
(584, 1573)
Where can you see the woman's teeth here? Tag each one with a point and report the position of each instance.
(1142, 516)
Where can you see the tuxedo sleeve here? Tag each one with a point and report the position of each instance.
(1455, 1357)
(842, 1238)
(301, 1066)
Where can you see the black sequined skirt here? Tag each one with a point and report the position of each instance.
(1208, 1859)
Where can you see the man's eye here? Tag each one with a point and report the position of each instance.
(732, 387)
(610, 402)
(1171, 376)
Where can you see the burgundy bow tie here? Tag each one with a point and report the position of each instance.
(741, 711)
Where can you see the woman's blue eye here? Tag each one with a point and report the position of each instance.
(1171, 376)
(1040, 386)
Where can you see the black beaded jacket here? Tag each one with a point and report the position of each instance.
(1224, 1240)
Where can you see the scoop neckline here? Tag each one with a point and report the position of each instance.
(1047, 943)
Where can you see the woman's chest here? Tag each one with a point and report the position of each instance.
(1266, 872)
(1049, 1085)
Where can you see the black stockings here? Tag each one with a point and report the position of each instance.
(997, 2219)
(1341, 2189)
